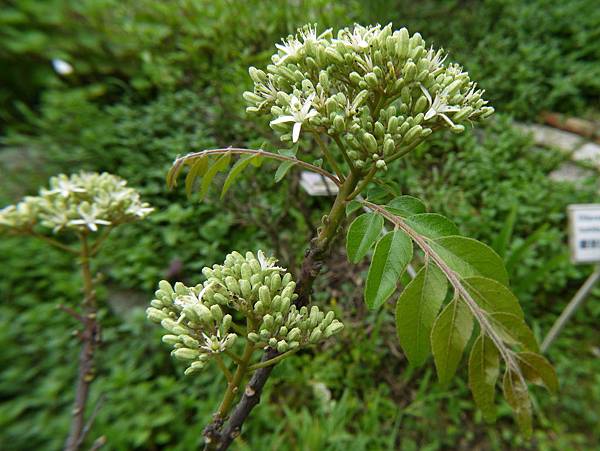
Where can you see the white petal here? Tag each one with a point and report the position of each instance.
(282, 119)
(296, 131)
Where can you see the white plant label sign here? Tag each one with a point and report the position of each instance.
(584, 233)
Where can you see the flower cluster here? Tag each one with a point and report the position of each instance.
(81, 202)
(372, 89)
(200, 320)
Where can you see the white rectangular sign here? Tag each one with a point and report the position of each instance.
(584, 233)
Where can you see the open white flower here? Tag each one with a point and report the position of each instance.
(65, 187)
(268, 264)
(89, 217)
(300, 113)
(290, 48)
(439, 106)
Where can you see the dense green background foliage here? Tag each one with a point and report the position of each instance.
(156, 79)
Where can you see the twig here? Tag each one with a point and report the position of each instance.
(90, 421)
(99, 443)
(273, 361)
(71, 312)
(90, 338)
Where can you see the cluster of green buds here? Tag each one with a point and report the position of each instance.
(375, 90)
(200, 321)
(81, 202)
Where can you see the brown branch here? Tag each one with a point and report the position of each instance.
(219, 433)
(90, 338)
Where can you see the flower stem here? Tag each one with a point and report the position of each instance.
(272, 361)
(90, 337)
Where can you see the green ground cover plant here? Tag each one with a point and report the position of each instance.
(90, 121)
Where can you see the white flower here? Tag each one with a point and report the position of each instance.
(89, 217)
(268, 264)
(139, 210)
(439, 106)
(290, 48)
(216, 343)
(300, 113)
(65, 187)
(62, 67)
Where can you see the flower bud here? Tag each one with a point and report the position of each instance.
(264, 295)
(253, 337)
(315, 335)
(370, 142)
(282, 346)
(333, 328)
(216, 313)
(170, 339)
(189, 342)
(155, 315)
(185, 354)
(245, 288)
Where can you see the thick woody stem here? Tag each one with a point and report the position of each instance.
(219, 434)
(90, 338)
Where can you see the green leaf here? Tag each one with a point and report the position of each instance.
(236, 170)
(352, 206)
(449, 337)
(406, 206)
(492, 296)
(283, 169)
(484, 369)
(392, 253)
(538, 370)
(517, 396)
(514, 330)
(362, 234)
(220, 165)
(199, 167)
(432, 225)
(416, 309)
(469, 257)
(173, 174)
(517, 254)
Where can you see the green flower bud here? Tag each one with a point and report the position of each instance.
(293, 344)
(253, 337)
(421, 105)
(173, 327)
(294, 334)
(156, 303)
(259, 308)
(216, 313)
(185, 354)
(181, 289)
(155, 315)
(220, 299)
(315, 336)
(203, 312)
(257, 75)
(402, 46)
(245, 288)
(264, 334)
(268, 322)
(409, 71)
(230, 340)
(370, 142)
(273, 342)
(232, 285)
(339, 124)
(246, 271)
(379, 129)
(371, 80)
(355, 78)
(170, 339)
(189, 342)
(333, 328)
(264, 295)
(165, 286)
(413, 133)
(226, 324)
(282, 346)
(389, 147)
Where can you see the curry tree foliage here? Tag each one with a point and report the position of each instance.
(367, 96)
